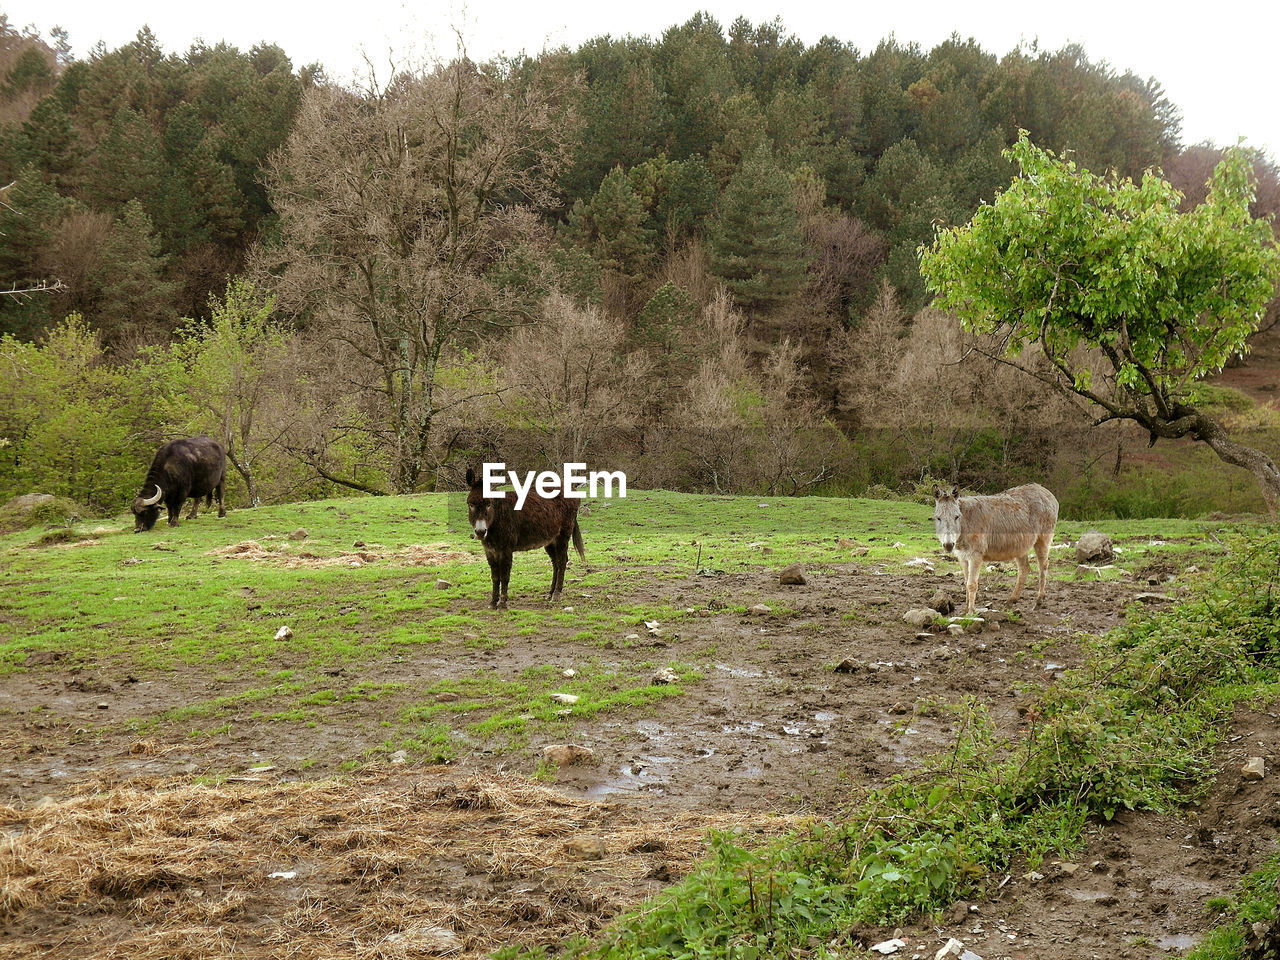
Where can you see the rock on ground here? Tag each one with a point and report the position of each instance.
(792, 575)
(1095, 547)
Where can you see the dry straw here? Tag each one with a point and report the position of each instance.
(390, 863)
(415, 555)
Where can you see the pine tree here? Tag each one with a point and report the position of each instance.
(136, 299)
(756, 246)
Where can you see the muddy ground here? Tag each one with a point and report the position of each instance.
(771, 732)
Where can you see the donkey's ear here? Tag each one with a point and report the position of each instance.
(937, 492)
(471, 477)
(953, 492)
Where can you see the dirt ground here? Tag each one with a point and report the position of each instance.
(772, 733)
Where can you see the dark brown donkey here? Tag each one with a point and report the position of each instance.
(542, 522)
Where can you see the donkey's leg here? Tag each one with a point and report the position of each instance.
(555, 570)
(506, 577)
(1024, 568)
(1042, 561)
(562, 564)
(972, 567)
(495, 574)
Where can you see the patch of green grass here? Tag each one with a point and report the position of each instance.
(432, 743)
(510, 707)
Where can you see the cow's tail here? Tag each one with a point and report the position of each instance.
(577, 541)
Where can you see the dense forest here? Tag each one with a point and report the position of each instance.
(694, 258)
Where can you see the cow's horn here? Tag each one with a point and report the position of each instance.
(156, 499)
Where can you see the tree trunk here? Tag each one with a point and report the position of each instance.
(1238, 455)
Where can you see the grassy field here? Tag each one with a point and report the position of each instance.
(120, 650)
(363, 580)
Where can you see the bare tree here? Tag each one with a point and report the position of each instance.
(393, 204)
(575, 387)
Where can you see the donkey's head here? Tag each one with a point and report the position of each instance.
(946, 516)
(480, 509)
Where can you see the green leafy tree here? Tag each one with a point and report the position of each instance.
(237, 374)
(756, 244)
(1084, 267)
(71, 423)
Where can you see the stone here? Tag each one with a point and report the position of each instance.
(443, 584)
(665, 676)
(919, 616)
(942, 602)
(419, 941)
(1254, 769)
(1068, 869)
(850, 665)
(1094, 548)
(298, 534)
(587, 848)
(567, 754)
(568, 699)
(887, 947)
(760, 610)
(792, 576)
(284, 633)
(952, 948)
(844, 544)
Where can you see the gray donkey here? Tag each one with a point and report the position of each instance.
(1005, 526)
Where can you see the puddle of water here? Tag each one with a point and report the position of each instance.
(824, 717)
(1176, 941)
(740, 672)
(747, 726)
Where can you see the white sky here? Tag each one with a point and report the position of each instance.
(1213, 60)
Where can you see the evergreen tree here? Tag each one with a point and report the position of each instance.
(136, 300)
(51, 144)
(28, 216)
(127, 165)
(756, 246)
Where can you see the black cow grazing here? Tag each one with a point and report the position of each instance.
(541, 522)
(192, 468)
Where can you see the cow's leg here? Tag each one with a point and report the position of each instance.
(1042, 562)
(175, 508)
(1024, 568)
(222, 510)
(195, 508)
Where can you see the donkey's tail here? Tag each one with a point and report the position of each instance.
(577, 541)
